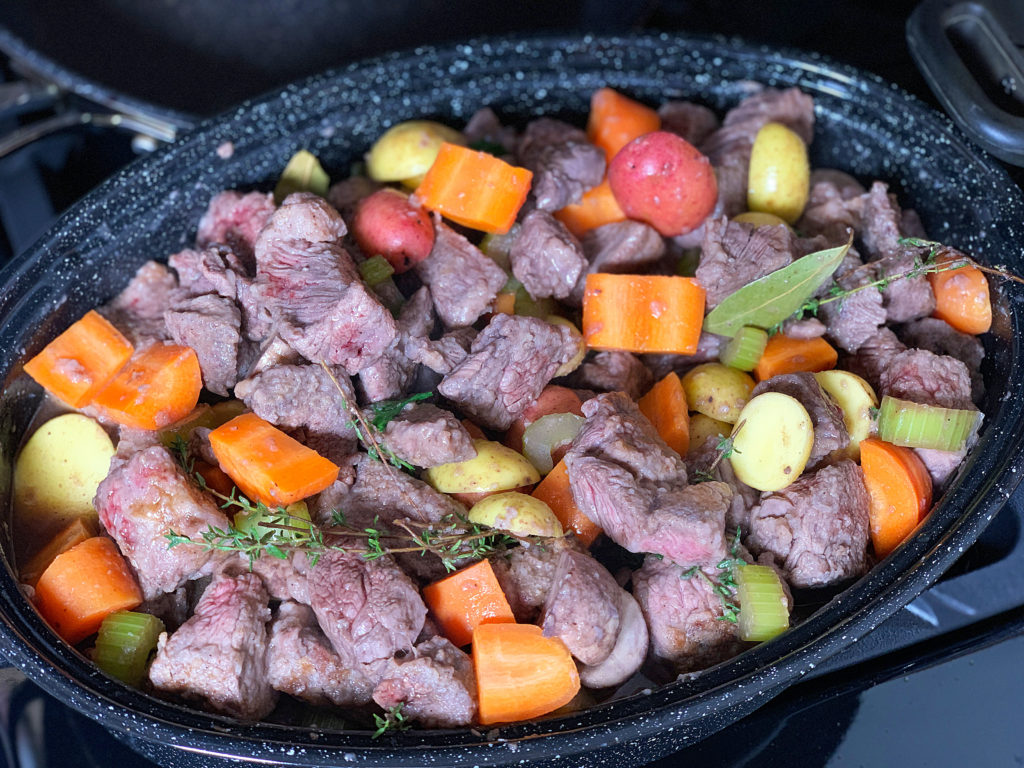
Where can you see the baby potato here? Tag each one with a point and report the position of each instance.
(573, 363)
(779, 176)
(717, 391)
(516, 513)
(760, 219)
(702, 427)
(387, 223)
(772, 441)
(856, 398)
(406, 151)
(494, 468)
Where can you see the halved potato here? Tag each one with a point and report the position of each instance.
(494, 468)
(717, 391)
(516, 513)
(772, 441)
(702, 427)
(856, 398)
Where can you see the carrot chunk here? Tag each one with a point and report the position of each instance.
(268, 465)
(554, 491)
(79, 363)
(962, 298)
(643, 313)
(616, 120)
(900, 489)
(597, 208)
(783, 354)
(665, 407)
(475, 189)
(75, 532)
(465, 600)
(83, 586)
(520, 674)
(159, 386)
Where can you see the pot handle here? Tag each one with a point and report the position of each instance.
(965, 51)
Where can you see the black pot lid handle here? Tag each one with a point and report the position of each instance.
(967, 51)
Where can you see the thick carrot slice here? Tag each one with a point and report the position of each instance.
(554, 491)
(962, 299)
(665, 407)
(504, 304)
(900, 489)
(159, 386)
(474, 189)
(75, 532)
(465, 600)
(597, 208)
(616, 120)
(268, 465)
(783, 354)
(520, 674)
(79, 363)
(643, 313)
(83, 586)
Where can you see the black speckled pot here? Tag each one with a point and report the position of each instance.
(865, 126)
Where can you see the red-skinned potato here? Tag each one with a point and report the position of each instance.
(554, 399)
(388, 224)
(661, 179)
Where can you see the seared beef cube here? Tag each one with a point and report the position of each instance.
(854, 319)
(441, 355)
(526, 575)
(923, 377)
(218, 656)
(302, 663)
(694, 122)
(940, 337)
(833, 208)
(509, 364)
(211, 325)
(235, 219)
(621, 247)
(141, 501)
(302, 216)
(564, 163)
(582, 607)
(368, 608)
(829, 427)
(435, 685)
(873, 356)
(382, 491)
(484, 125)
(545, 257)
(425, 436)
(212, 270)
(346, 194)
(735, 253)
(880, 223)
(684, 615)
(285, 579)
(391, 375)
(323, 310)
(940, 464)
(816, 528)
(138, 311)
(463, 281)
(615, 372)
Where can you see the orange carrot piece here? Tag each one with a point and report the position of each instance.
(962, 298)
(266, 464)
(75, 532)
(475, 189)
(79, 363)
(554, 491)
(83, 586)
(504, 304)
(466, 599)
(597, 208)
(214, 477)
(616, 120)
(783, 354)
(520, 674)
(159, 386)
(900, 489)
(643, 313)
(665, 407)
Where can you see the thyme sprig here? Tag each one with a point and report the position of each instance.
(392, 721)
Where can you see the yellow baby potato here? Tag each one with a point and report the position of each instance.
(760, 219)
(516, 513)
(772, 441)
(494, 468)
(779, 176)
(717, 391)
(702, 427)
(856, 398)
(406, 151)
(574, 362)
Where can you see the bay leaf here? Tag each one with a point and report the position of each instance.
(303, 173)
(769, 300)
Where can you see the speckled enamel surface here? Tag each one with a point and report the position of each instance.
(865, 126)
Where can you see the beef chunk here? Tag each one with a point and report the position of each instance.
(620, 247)
(615, 372)
(564, 163)
(940, 337)
(804, 329)
(368, 608)
(140, 502)
(694, 122)
(484, 125)
(526, 575)
(323, 310)
(393, 373)
(435, 684)
(218, 656)
(735, 253)
(709, 349)
(138, 311)
(283, 579)
(302, 216)
(629, 651)
(684, 615)
(508, 365)
(816, 528)
(425, 436)
(383, 491)
(444, 354)
(940, 464)
(873, 356)
(346, 194)
(880, 223)
(924, 377)
(582, 607)
(211, 325)
(302, 663)
(545, 257)
(463, 281)
(212, 270)
(833, 209)
(853, 320)
(235, 219)
(829, 427)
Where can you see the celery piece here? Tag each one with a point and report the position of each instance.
(916, 425)
(124, 644)
(763, 612)
(302, 174)
(547, 433)
(375, 270)
(527, 306)
(497, 247)
(745, 348)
